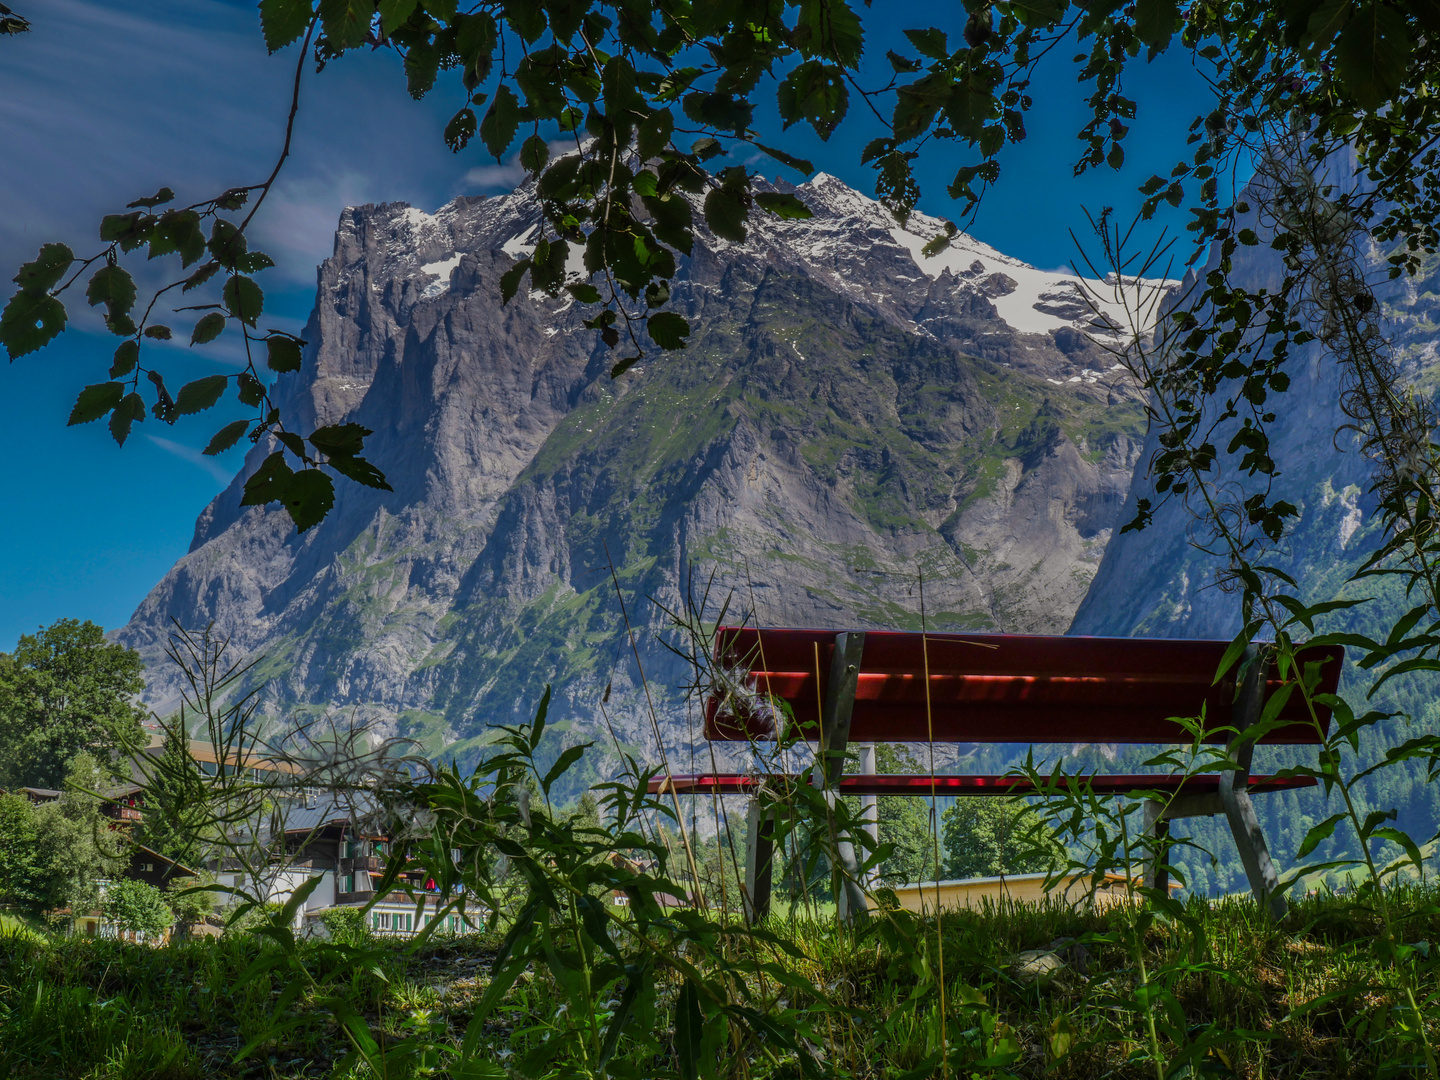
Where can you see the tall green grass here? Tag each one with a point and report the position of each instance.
(105, 1010)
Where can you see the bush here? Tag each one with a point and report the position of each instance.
(190, 910)
(346, 926)
(138, 907)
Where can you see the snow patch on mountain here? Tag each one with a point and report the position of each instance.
(1039, 301)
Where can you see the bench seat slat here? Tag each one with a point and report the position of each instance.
(998, 688)
(906, 784)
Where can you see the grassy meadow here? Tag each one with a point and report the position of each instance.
(106, 1010)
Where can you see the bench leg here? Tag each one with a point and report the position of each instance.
(759, 859)
(870, 810)
(1239, 810)
(850, 903)
(837, 706)
(1157, 862)
(1245, 827)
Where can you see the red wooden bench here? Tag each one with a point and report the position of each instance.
(1000, 688)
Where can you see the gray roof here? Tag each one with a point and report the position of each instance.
(325, 811)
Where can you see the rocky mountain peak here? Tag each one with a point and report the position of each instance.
(848, 412)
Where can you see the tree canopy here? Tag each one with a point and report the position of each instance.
(138, 907)
(987, 837)
(64, 691)
(54, 855)
(648, 95)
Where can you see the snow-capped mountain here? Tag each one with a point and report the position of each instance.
(848, 413)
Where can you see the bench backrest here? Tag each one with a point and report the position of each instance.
(1000, 687)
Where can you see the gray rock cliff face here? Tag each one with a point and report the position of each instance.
(848, 414)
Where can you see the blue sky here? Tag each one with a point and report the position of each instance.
(103, 103)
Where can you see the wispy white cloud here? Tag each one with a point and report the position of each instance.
(498, 178)
(221, 475)
(299, 218)
(104, 103)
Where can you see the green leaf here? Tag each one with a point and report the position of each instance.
(798, 164)
(501, 121)
(159, 333)
(727, 206)
(161, 197)
(95, 401)
(251, 390)
(207, 329)
(282, 354)
(1156, 21)
(227, 243)
(128, 411)
(346, 23)
(243, 298)
(562, 763)
(1396, 836)
(584, 292)
(1372, 54)
(1402, 668)
(395, 13)
(113, 287)
(930, 42)
(917, 104)
(29, 321)
(668, 330)
(45, 272)
(340, 438)
(534, 153)
(252, 262)
(1038, 12)
(1317, 834)
(199, 395)
(816, 92)
(359, 470)
(282, 21)
(226, 437)
(537, 726)
(461, 128)
(114, 227)
(269, 482)
(200, 276)
(510, 280)
(653, 135)
(673, 221)
(785, 206)
(126, 357)
(689, 1030)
